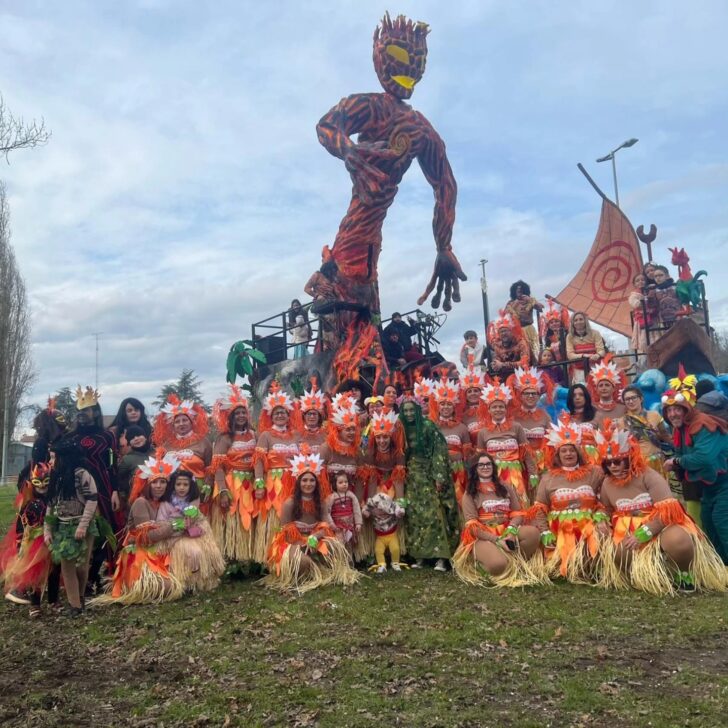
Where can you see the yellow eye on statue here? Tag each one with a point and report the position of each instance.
(398, 53)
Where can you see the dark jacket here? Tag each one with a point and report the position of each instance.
(714, 403)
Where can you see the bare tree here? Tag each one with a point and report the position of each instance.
(16, 363)
(16, 133)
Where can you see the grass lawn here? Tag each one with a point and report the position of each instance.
(414, 649)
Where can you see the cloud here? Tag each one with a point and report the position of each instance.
(184, 195)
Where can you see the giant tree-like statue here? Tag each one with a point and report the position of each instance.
(390, 136)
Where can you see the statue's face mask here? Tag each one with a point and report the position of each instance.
(400, 54)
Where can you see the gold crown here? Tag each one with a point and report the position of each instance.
(89, 398)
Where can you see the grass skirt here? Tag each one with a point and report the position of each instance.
(196, 562)
(29, 568)
(579, 555)
(234, 530)
(520, 571)
(652, 571)
(330, 563)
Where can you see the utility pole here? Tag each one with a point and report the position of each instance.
(486, 313)
(97, 334)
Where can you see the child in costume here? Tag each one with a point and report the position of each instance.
(305, 553)
(342, 511)
(606, 382)
(69, 528)
(26, 566)
(656, 545)
(495, 549)
(234, 510)
(386, 515)
(194, 556)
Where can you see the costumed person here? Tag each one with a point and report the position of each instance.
(554, 373)
(142, 574)
(606, 382)
(390, 397)
(554, 325)
(194, 556)
(181, 429)
(584, 344)
(234, 508)
(342, 511)
(508, 346)
(305, 553)
(495, 547)
(341, 452)
(567, 512)
(665, 296)
(506, 442)
(384, 465)
(373, 404)
(522, 305)
(528, 385)
(647, 427)
(471, 387)
(321, 287)
(99, 451)
(582, 414)
(312, 406)
(431, 523)
(131, 412)
(26, 566)
(443, 412)
(70, 527)
(701, 458)
(385, 514)
(278, 441)
(423, 390)
(49, 425)
(657, 546)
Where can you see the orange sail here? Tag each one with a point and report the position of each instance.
(603, 284)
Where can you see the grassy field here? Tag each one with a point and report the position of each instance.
(415, 649)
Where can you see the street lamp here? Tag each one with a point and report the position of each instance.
(610, 156)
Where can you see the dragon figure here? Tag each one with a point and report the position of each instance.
(391, 134)
(688, 286)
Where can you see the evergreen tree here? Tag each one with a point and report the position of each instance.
(186, 387)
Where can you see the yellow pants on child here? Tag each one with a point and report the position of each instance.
(382, 543)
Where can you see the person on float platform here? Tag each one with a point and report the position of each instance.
(181, 429)
(506, 442)
(606, 382)
(495, 547)
(701, 458)
(278, 441)
(567, 512)
(657, 546)
(443, 411)
(305, 553)
(582, 342)
(234, 509)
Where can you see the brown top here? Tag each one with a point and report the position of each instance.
(637, 496)
(618, 411)
(503, 442)
(561, 489)
(84, 505)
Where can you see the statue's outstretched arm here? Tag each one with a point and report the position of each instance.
(447, 272)
(351, 116)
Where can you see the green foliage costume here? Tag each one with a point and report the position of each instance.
(431, 522)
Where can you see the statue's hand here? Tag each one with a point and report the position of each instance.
(447, 273)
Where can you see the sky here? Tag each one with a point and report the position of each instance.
(184, 195)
